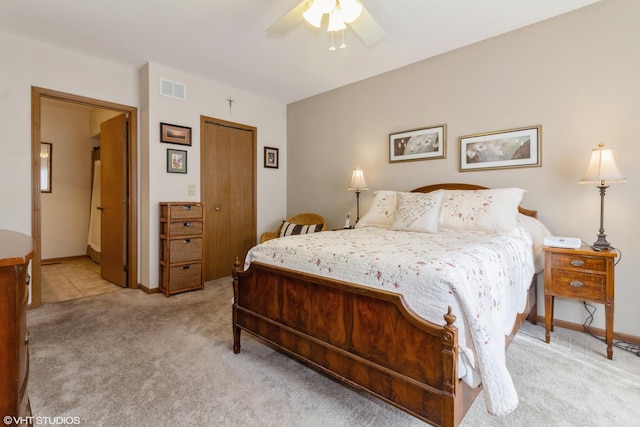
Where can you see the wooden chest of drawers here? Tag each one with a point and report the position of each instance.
(181, 246)
(582, 274)
(16, 250)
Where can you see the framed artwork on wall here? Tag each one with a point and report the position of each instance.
(174, 134)
(176, 161)
(512, 148)
(46, 161)
(418, 144)
(271, 157)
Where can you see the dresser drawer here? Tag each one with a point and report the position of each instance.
(181, 211)
(182, 250)
(574, 284)
(182, 277)
(182, 228)
(580, 262)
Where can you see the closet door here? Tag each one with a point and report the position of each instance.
(113, 177)
(228, 174)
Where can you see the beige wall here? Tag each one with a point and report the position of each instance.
(577, 75)
(65, 211)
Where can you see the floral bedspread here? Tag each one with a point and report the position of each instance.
(484, 277)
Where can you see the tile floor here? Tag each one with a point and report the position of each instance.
(73, 278)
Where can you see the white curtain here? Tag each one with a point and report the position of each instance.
(94, 217)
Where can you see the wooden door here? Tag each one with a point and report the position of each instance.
(113, 181)
(228, 174)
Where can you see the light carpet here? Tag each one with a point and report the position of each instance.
(127, 358)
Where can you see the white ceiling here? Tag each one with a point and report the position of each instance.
(225, 40)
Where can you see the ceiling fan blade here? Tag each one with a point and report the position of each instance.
(367, 28)
(289, 21)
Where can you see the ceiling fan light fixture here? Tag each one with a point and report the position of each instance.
(351, 10)
(336, 21)
(313, 15)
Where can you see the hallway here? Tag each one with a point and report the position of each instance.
(72, 278)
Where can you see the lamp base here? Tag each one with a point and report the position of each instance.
(601, 244)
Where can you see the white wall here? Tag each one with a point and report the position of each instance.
(577, 75)
(65, 211)
(26, 63)
(204, 98)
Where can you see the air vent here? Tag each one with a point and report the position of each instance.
(173, 89)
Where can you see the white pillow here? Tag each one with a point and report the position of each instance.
(417, 212)
(538, 231)
(380, 213)
(491, 210)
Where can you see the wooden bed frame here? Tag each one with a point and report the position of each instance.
(365, 337)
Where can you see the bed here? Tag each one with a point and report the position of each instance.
(373, 338)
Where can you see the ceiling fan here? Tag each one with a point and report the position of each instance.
(340, 12)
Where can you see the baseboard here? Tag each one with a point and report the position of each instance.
(59, 260)
(595, 331)
(147, 290)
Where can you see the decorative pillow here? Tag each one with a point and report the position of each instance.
(290, 229)
(417, 212)
(492, 211)
(380, 213)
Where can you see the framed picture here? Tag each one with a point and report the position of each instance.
(46, 161)
(174, 134)
(418, 144)
(270, 157)
(512, 148)
(176, 161)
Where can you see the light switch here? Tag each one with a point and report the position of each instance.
(191, 190)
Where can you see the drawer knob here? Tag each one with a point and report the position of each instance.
(577, 262)
(576, 284)
(186, 208)
(187, 224)
(187, 240)
(186, 267)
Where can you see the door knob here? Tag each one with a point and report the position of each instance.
(217, 207)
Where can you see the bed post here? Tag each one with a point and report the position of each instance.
(450, 370)
(236, 329)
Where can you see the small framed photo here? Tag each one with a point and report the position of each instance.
(176, 161)
(512, 148)
(270, 157)
(174, 134)
(418, 144)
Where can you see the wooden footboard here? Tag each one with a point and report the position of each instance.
(365, 337)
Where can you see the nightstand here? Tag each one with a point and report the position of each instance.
(581, 274)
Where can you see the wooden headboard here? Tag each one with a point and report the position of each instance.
(457, 186)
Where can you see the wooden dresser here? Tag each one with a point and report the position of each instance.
(16, 250)
(181, 246)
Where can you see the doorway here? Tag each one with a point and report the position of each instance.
(228, 181)
(37, 94)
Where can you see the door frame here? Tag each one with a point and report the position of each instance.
(37, 93)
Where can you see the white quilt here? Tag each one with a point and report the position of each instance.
(483, 277)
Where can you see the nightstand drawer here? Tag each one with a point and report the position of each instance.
(578, 262)
(577, 285)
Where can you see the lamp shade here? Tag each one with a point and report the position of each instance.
(336, 20)
(357, 180)
(602, 168)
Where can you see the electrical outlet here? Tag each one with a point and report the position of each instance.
(191, 190)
